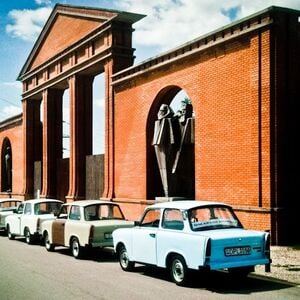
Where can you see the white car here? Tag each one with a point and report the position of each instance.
(199, 235)
(84, 224)
(7, 207)
(29, 216)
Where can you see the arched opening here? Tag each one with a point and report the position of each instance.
(170, 146)
(98, 114)
(6, 170)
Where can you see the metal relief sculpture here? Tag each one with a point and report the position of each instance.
(8, 166)
(173, 143)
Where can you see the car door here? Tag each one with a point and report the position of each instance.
(144, 238)
(26, 218)
(58, 226)
(15, 223)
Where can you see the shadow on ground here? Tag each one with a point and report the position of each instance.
(218, 282)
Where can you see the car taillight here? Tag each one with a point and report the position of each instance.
(268, 251)
(92, 232)
(208, 251)
(38, 224)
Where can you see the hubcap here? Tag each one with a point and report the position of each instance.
(124, 259)
(75, 248)
(27, 236)
(178, 271)
(47, 241)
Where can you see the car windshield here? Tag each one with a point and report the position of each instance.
(46, 208)
(212, 217)
(102, 212)
(9, 204)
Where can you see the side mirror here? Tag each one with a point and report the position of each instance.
(137, 223)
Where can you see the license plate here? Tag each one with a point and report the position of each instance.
(234, 251)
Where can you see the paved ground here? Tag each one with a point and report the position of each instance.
(285, 264)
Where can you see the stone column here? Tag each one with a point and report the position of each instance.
(81, 121)
(108, 192)
(52, 140)
(32, 139)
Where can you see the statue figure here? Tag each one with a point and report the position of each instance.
(165, 142)
(8, 166)
(172, 140)
(187, 126)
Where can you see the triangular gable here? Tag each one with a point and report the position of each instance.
(66, 25)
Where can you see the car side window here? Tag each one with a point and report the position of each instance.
(173, 219)
(151, 218)
(74, 213)
(27, 210)
(20, 208)
(64, 211)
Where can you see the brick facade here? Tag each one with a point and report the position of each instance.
(241, 80)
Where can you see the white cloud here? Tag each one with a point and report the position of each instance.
(27, 24)
(170, 23)
(10, 111)
(43, 2)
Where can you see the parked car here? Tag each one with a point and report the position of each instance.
(184, 235)
(29, 217)
(7, 207)
(84, 224)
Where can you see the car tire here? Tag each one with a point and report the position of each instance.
(124, 261)
(76, 249)
(178, 270)
(49, 247)
(9, 234)
(28, 236)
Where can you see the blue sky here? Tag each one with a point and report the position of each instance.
(168, 24)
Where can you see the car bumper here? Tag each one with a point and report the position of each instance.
(237, 264)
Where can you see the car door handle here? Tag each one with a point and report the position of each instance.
(152, 235)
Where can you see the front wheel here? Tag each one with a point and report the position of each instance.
(77, 250)
(28, 236)
(178, 270)
(9, 234)
(124, 261)
(48, 245)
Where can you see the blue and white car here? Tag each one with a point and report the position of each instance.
(184, 235)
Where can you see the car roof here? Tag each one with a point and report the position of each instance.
(185, 204)
(34, 201)
(9, 199)
(90, 202)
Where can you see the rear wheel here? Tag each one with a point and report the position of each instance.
(28, 236)
(77, 250)
(178, 270)
(9, 234)
(48, 245)
(124, 261)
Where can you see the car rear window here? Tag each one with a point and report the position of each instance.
(213, 217)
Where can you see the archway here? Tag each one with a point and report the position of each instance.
(6, 163)
(170, 146)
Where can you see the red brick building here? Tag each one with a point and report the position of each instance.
(243, 83)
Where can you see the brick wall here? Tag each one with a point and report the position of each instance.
(15, 136)
(223, 88)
